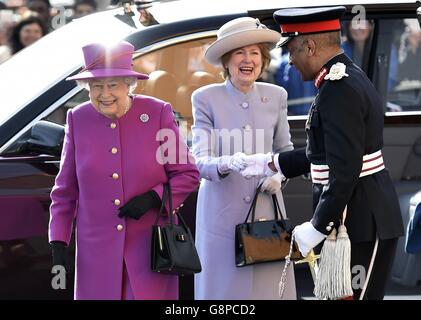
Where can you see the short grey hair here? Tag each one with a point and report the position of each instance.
(130, 81)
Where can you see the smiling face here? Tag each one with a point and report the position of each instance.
(110, 96)
(29, 34)
(245, 66)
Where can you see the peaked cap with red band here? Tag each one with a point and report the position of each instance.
(298, 21)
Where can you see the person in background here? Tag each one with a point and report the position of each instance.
(6, 25)
(255, 114)
(113, 167)
(82, 8)
(43, 9)
(357, 43)
(26, 32)
(410, 52)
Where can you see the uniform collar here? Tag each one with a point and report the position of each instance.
(320, 77)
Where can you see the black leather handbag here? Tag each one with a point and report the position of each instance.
(172, 246)
(263, 241)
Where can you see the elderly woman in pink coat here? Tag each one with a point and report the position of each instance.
(119, 150)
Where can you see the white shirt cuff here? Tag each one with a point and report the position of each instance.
(276, 163)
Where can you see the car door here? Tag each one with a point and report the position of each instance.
(397, 75)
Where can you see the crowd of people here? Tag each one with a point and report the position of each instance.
(22, 25)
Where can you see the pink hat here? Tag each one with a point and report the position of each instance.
(104, 62)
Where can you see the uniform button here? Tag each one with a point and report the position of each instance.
(331, 224)
(117, 202)
(247, 199)
(247, 127)
(328, 228)
(119, 227)
(113, 125)
(245, 105)
(114, 150)
(115, 176)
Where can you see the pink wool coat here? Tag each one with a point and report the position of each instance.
(104, 164)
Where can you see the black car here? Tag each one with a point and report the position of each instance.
(170, 39)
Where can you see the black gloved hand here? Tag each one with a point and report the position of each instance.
(139, 205)
(59, 252)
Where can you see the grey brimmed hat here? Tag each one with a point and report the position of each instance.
(238, 33)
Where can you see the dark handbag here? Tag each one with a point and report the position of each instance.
(172, 246)
(265, 240)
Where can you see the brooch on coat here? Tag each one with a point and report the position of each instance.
(144, 117)
(336, 72)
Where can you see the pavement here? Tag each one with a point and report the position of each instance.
(394, 291)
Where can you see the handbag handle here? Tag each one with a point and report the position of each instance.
(252, 210)
(166, 194)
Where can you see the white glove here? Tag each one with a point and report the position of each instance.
(257, 165)
(272, 184)
(307, 237)
(236, 162)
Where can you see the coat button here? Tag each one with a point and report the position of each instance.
(245, 105)
(331, 224)
(113, 125)
(117, 202)
(247, 199)
(115, 176)
(119, 227)
(114, 150)
(328, 228)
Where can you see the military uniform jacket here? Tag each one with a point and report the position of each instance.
(345, 123)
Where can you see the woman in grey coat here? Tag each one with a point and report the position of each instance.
(234, 119)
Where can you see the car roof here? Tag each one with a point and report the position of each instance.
(190, 9)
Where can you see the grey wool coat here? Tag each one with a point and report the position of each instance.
(227, 121)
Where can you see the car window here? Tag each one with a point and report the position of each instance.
(404, 83)
(59, 115)
(174, 73)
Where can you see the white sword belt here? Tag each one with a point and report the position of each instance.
(372, 163)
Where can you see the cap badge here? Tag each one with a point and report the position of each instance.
(144, 117)
(336, 72)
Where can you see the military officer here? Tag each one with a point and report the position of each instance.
(344, 150)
